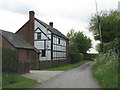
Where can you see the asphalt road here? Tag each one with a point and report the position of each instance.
(80, 77)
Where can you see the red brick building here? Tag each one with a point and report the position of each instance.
(28, 55)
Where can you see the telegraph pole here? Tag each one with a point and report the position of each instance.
(119, 9)
(99, 26)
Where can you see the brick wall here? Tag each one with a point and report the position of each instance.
(27, 30)
(52, 63)
(5, 43)
(28, 59)
(24, 31)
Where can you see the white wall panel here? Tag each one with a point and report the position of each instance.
(37, 24)
(48, 56)
(48, 44)
(39, 44)
(46, 31)
(49, 35)
(35, 36)
(43, 36)
(37, 30)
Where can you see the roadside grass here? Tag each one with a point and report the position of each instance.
(12, 80)
(67, 67)
(105, 70)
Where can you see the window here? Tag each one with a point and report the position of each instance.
(59, 41)
(43, 53)
(39, 35)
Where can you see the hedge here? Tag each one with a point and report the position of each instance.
(76, 57)
(9, 60)
(113, 45)
(90, 56)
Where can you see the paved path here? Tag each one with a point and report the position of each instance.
(40, 75)
(79, 77)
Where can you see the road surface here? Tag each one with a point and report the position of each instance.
(80, 77)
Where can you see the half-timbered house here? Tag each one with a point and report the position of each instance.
(51, 42)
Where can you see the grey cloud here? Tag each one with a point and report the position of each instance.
(17, 8)
(76, 16)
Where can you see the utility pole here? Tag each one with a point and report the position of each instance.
(99, 26)
(119, 9)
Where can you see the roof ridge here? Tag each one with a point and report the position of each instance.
(52, 29)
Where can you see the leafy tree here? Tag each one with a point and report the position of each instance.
(110, 25)
(72, 46)
(79, 43)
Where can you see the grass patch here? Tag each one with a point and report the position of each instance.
(106, 70)
(67, 67)
(12, 80)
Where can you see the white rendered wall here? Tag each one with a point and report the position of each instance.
(39, 44)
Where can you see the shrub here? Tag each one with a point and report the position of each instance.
(9, 60)
(113, 45)
(76, 57)
(90, 56)
(106, 69)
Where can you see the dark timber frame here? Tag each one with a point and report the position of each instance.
(51, 46)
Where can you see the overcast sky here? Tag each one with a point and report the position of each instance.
(65, 14)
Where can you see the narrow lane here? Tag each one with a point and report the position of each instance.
(80, 77)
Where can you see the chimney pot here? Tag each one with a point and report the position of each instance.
(51, 24)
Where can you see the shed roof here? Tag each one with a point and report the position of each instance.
(16, 40)
(53, 30)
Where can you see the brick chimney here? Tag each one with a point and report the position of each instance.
(31, 15)
(27, 30)
(31, 27)
(51, 24)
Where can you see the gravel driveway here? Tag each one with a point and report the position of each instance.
(79, 77)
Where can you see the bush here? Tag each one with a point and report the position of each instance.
(106, 69)
(76, 57)
(90, 56)
(9, 60)
(113, 45)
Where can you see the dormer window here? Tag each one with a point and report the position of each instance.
(39, 35)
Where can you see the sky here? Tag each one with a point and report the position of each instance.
(65, 14)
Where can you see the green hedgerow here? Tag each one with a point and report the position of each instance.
(106, 69)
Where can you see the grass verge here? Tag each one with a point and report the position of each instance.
(12, 80)
(106, 70)
(67, 67)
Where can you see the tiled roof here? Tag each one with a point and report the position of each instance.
(53, 30)
(16, 40)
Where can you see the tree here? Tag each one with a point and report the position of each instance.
(109, 25)
(72, 46)
(79, 43)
